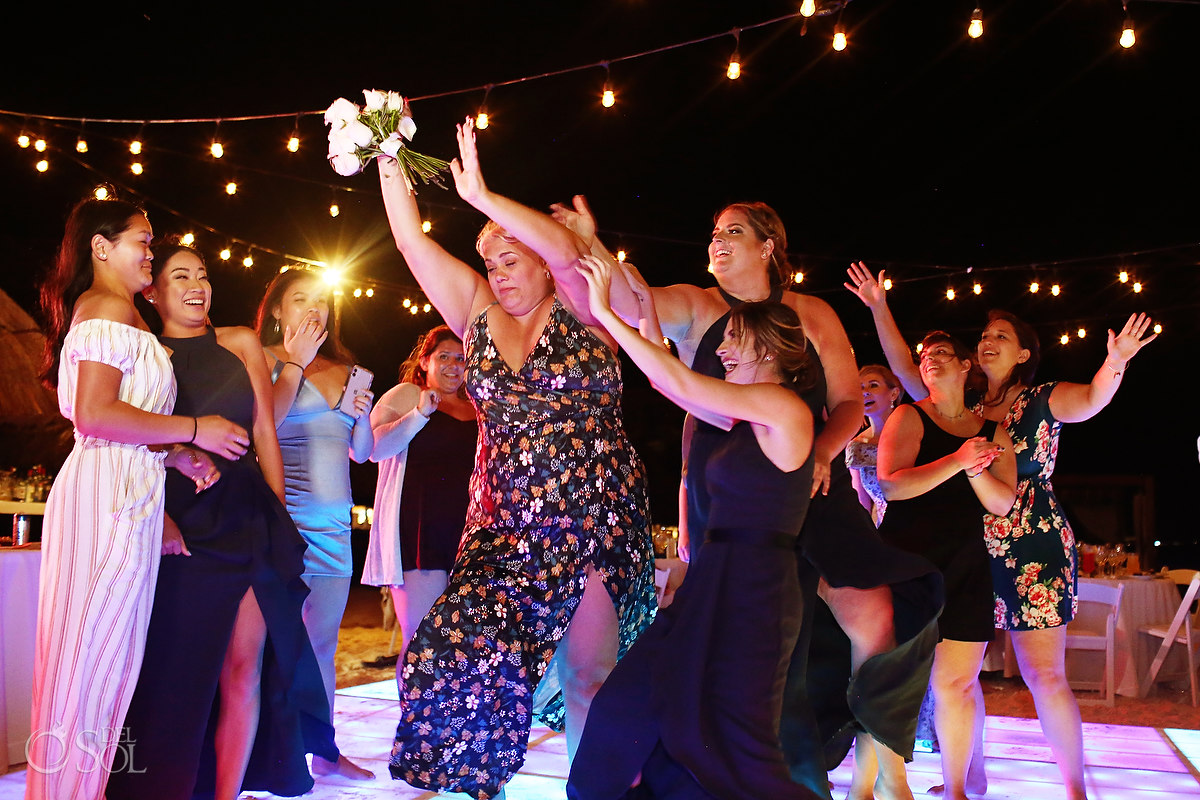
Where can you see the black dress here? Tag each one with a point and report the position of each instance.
(433, 501)
(823, 705)
(945, 524)
(695, 704)
(240, 537)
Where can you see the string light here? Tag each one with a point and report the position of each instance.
(135, 147)
(950, 295)
(370, 292)
(1158, 327)
(23, 141)
(334, 210)
(231, 188)
(839, 37)
(798, 277)
(407, 302)
(81, 145)
(1127, 35)
(977, 288)
(427, 308)
(227, 254)
(1123, 276)
(101, 193)
(608, 98)
(358, 291)
(293, 142)
(1055, 289)
(413, 310)
(216, 148)
(975, 27)
(887, 284)
(734, 70)
(1137, 286)
(920, 347)
(482, 120)
(621, 256)
(188, 239)
(136, 168)
(426, 226)
(808, 8)
(248, 261)
(42, 165)
(1081, 333)
(40, 145)
(1064, 339)
(1034, 286)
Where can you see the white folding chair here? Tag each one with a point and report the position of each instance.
(1094, 628)
(1184, 629)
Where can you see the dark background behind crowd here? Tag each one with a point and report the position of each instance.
(1042, 151)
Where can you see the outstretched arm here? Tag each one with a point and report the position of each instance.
(1075, 402)
(452, 287)
(895, 349)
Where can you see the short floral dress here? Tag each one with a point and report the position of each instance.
(1034, 565)
(557, 489)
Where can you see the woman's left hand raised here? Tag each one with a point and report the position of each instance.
(1126, 344)
(363, 400)
(468, 179)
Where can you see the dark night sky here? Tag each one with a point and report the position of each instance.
(1041, 144)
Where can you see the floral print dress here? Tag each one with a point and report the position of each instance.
(1034, 565)
(557, 490)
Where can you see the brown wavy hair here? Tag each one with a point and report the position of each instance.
(1021, 374)
(411, 370)
(270, 333)
(72, 273)
(767, 226)
(776, 331)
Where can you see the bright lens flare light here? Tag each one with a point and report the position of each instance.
(332, 277)
(975, 28)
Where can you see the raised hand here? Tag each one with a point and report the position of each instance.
(579, 219)
(302, 345)
(363, 400)
(1126, 344)
(866, 288)
(196, 465)
(468, 179)
(598, 274)
(220, 436)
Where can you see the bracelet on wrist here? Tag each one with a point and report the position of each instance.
(1116, 371)
(294, 364)
(195, 430)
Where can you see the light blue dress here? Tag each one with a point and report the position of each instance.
(315, 442)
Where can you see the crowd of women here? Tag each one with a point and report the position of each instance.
(189, 616)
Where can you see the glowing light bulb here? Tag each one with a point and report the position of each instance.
(283, 269)
(332, 277)
(225, 254)
(1054, 289)
(370, 292)
(608, 99)
(247, 262)
(293, 144)
(1064, 339)
(1137, 286)
(407, 302)
(482, 120)
(136, 168)
(23, 141)
(188, 239)
(887, 284)
(231, 188)
(42, 165)
(1034, 287)
(798, 277)
(950, 295)
(710, 268)
(975, 28)
(40, 145)
(808, 8)
(427, 308)
(358, 292)
(1123, 276)
(621, 255)
(81, 145)
(734, 70)
(1127, 36)
(135, 147)
(1082, 332)
(1158, 327)
(334, 210)
(426, 226)
(217, 150)
(101, 193)
(839, 37)
(977, 289)
(920, 347)
(413, 309)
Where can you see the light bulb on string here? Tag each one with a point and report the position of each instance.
(977, 288)
(1082, 332)
(370, 292)
(334, 210)
(1034, 287)
(39, 144)
(887, 284)
(839, 37)
(920, 347)
(407, 302)
(136, 168)
(1127, 35)
(248, 261)
(225, 254)
(188, 239)
(608, 98)
(1137, 286)
(950, 294)
(798, 277)
(101, 193)
(427, 308)
(413, 309)
(1064, 339)
(42, 165)
(808, 8)
(231, 188)
(482, 119)
(293, 142)
(426, 226)
(1123, 276)
(1055, 289)
(734, 70)
(81, 145)
(23, 141)
(135, 147)
(358, 291)
(216, 148)
(621, 255)
(975, 27)
(1158, 327)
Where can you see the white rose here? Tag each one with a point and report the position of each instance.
(345, 164)
(340, 144)
(358, 133)
(391, 145)
(407, 127)
(341, 111)
(394, 101)
(375, 99)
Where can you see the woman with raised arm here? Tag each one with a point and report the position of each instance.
(556, 554)
(693, 710)
(1033, 544)
(941, 466)
(317, 439)
(103, 532)
(425, 438)
(884, 599)
(231, 583)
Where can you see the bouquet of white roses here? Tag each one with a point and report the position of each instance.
(357, 135)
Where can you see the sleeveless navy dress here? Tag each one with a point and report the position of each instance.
(823, 705)
(240, 537)
(695, 704)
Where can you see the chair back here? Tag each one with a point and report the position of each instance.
(1185, 622)
(1109, 595)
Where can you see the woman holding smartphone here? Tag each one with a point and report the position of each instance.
(318, 435)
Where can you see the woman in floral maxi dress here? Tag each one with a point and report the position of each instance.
(556, 553)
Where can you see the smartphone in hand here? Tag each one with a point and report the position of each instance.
(359, 381)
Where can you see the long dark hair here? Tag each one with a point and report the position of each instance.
(269, 331)
(976, 383)
(777, 332)
(73, 274)
(768, 226)
(164, 250)
(1021, 374)
(411, 370)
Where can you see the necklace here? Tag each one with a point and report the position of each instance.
(944, 415)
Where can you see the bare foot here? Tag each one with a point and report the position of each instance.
(343, 767)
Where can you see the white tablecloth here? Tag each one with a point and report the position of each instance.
(1146, 601)
(18, 619)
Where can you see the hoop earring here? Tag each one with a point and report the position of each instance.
(276, 328)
